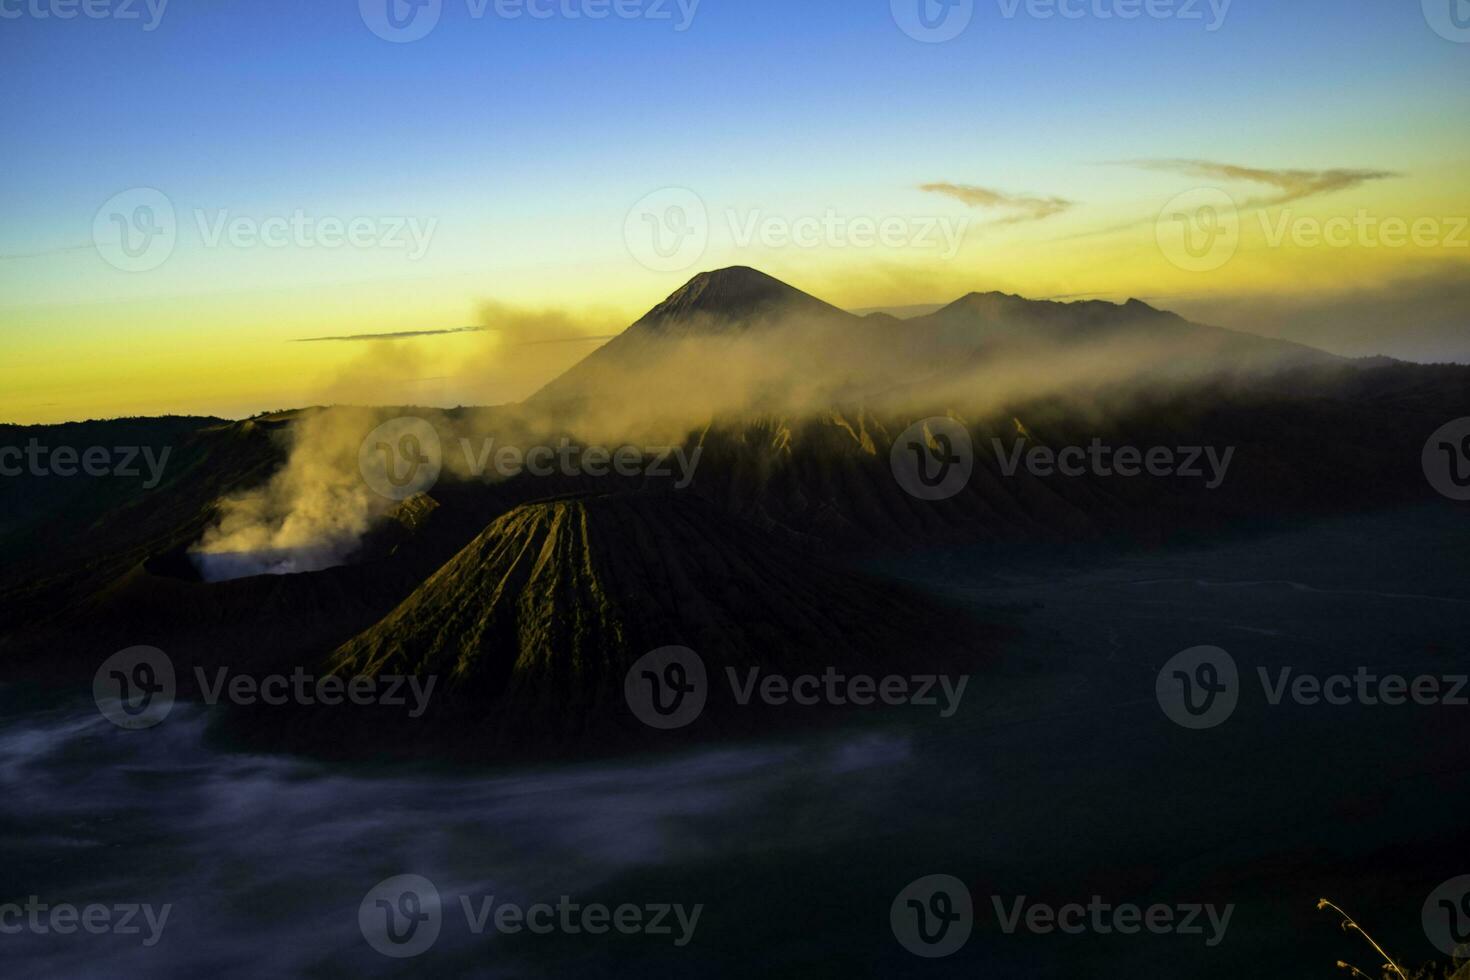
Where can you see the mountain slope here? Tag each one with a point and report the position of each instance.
(535, 623)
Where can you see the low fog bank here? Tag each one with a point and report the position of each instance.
(1421, 319)
(650, 388)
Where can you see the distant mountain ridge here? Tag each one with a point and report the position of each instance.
(719, 309)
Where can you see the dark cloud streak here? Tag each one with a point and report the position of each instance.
(398, 335)
(447, 331)
(1027, 208)
(1291, 185)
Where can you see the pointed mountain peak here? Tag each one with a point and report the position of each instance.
(735, 278)
(735, 294)
(724, 302)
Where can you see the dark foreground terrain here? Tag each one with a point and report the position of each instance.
(1059, 779)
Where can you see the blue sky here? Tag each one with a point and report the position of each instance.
(528, 140)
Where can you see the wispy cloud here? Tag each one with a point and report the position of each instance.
(1021, 206)
(1290, 185)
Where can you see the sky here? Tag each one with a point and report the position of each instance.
(196, 187)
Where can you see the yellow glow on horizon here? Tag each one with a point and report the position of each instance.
(230, 353)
